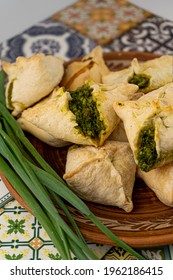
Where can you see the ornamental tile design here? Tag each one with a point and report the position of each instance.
(5, 195)
(154, 34)
(22, 237)
(156, 253)
(101, 20)
(47, 37)
(36, 243)
(117, 253)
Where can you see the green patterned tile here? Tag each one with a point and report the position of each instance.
(23, 251)
(48, 252)
(16, 226)
(22, 237)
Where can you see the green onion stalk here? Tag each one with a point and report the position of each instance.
(44, 191)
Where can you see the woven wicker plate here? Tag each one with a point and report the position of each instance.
(149, 224)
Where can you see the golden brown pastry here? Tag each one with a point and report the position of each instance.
(91, 66)
(148, 124)
(160, 181)
(148, 75)
(85, 116)
(119, 133)
(97, 174)
(31, 79)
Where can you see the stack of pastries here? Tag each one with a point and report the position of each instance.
(118, 125)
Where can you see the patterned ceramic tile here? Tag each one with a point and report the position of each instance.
(117, 253)
(22, 237)
(155, 253)
(5, 196)
(101, 20)
(48, 37)
(99, 249)
(154, 35)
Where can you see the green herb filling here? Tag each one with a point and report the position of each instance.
(147, 154)
(141, 80)
(10, 91)
(85, 109)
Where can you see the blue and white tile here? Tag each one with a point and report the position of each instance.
(47, 37)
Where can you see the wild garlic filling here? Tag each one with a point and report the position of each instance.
(141, 80)
(147, 154)
(84, 107)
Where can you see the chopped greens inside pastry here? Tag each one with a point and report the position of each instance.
(31, 79)
(147, 154)
(85, 116)
(84, 107)
(97, 174)
(148, 75)
(141, 80)
(148, 124)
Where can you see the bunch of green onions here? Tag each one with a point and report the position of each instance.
(41, 188)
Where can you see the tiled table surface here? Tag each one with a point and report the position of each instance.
(116, 25)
